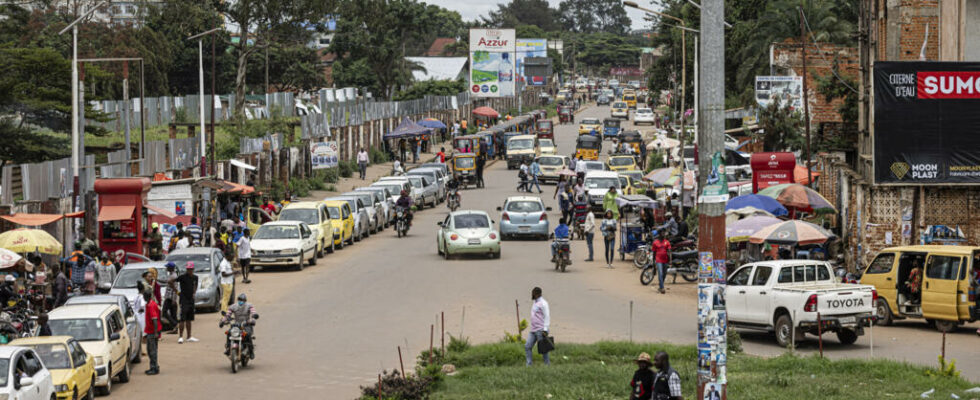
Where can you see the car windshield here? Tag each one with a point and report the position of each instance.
(416, 182)
(644, 111)
(306, 215)
(549, 161)
(202, 262)
(617, 161)
(592, 165)
(619, 105)
(394, 189)
(464, 162)
(601, 183)
(471, 221)
(128, 277)
(54, 355)
(82, 329)
(277, 232)
(334, 212)
(590, 121)
(4, 366)
(637, 175)
(546, 143)
(520, 144)
(524, 206)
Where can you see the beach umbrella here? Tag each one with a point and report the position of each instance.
(734, 215)
(8, 258)
(663, 142)
(793, 232)
(765, 203)
(741, 230)
(660, 176)
(432, 123)
(799, 197)
(27, 240)
(486, 112)
(801, 176)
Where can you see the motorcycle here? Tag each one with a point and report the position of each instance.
(684, 263)
(563, 255)
(401, 221)
(453, 200)
(240, 349)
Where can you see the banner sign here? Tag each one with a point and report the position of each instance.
(787, 89)
(324, 154)
(492, 70)
(926, 122)
(771, 169)
(626, 71)
(529, 48)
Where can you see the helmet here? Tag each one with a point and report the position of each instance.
(78, 245)
(242, 297)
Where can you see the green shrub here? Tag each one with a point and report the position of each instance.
(396, 386)
(512, 338)
(734, 342)
(347, 168)
(331, 175)
(458, 344)
(378, 156)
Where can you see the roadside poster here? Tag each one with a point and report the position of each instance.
(704, 265)
(530, 48)
(720, 271)
(787, 89)
(492, 58)
(716, 185)
(713, 391)
(324, 154)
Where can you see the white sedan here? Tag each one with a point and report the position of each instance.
(284, 243)
(644, 116)
(469, 232)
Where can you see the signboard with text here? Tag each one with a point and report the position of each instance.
(926, 123)
(492, 58)
(771, 169)
(529, 48)
(788, 90)
(324, 154)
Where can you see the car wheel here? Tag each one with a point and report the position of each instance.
(847, 336)
(312, 260)
(124, 375)
(784, 331)
(139, 358)
(299, 265)
(90, 395)
(319, 250)
(883, 312)
(497, 255)
(333, 246)
(945, 326)
(438, 247)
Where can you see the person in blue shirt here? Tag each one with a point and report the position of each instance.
(535, 173)
(593, 132)
(561, 232)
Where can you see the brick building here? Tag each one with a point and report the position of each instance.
(870, 215)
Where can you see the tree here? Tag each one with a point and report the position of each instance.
(590, 16)
(261, 22)
(781, 128)
(604, 50)
(292, 67)
(431, 88)
(523, 12)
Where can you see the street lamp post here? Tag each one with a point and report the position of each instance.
(200, 60)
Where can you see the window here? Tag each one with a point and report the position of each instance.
(325, 41)
(882, 264)
(115, 322)
(785, 275)
(346, 209)
(88, 329)
(524, 206)
(943, 267)
(54, 355)
(761, 275)
(78, 355)
(741, 277)
(471, 221)
(31, 363)
(823, 273)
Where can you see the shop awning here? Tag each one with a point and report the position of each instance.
(159, 210)
(235, 188)
(116, 213)
(39, 219)
(240, 164)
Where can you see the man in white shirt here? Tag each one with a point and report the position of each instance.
(184, 241)
(362, 162)
(540, 323)
(245, 255)
(589, 227)
(227, 282)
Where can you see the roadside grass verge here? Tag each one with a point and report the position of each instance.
(603, 370)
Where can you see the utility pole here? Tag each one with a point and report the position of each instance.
(200, 107)
(200, 52)
(806, 102)
(711, 222)
(214, 93)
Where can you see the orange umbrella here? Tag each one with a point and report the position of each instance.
(800, 175)
(486, 112)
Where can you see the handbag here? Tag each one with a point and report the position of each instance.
(546, 344)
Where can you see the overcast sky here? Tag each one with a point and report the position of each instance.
(473, 9)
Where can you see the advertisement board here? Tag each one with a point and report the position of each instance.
(771, 169)
(324, 154)
(787, 89)
(492, 69)
(530, 48)
(926, 123)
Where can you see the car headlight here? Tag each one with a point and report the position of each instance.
(206, 282)
(99, 360)
(298, 250)
(60, 388)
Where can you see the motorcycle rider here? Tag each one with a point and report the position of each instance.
(241, 312)
(561, 232)
(669, 228)
(405, 201)
(452, 188)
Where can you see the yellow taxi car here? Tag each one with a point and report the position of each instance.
(100, 329)
(630, 99)
(634, 179)
(587, 125)
(619, 109)
(621, 163)
(315, 215)
(341, 222)
(72, 369)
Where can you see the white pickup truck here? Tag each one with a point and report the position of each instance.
(779, 296)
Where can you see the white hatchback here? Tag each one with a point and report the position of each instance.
(23, 375)
(644, 116)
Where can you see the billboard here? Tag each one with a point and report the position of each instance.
(530, 48)
(788, 89)
(324, 154)
(926, 123)
(492, 69)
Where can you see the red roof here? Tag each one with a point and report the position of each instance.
(439, 46)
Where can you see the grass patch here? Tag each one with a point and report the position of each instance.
(603, 371)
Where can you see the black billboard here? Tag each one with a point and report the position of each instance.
(927, 122)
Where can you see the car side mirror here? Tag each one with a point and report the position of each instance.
(26, 381)
(547, 208)
(114, 337)
(500, 209)
(439, 223)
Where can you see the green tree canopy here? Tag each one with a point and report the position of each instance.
(523, 12)
(590, 16)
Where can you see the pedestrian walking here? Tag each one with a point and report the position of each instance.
(227, 282)
(535, 173)
(609, 202)
(105, 273)
(196, 232)
(152, 331)
(362, 162)
(667, 382)
(187, 283)
(540, 323)
(589, 227)
(154, 243)
(608, 229)
(642, 382)
(661, 251)
(171, 299)
(416, 149)
(245, 256)
(480, 163)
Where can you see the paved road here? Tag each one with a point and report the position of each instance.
(330, 328)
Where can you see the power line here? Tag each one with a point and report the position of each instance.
(813, 39)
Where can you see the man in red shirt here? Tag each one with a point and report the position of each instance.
(661, 251)
(442, 155)
(152, 331)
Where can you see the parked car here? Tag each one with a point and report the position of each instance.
(426, 190)
(132, 325)
(101, 330)
(373, 207)
(206, 261)
(441, 167)
(644, 116)
(786, 295)
(524, 216)
(469, 232)
(36, 381)
(284, 243)
(72, 369)
(394, 188)
(362, 220)
(433, 176)
(125, 283)
(382, 197)
(341, 222)
(315, 215)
